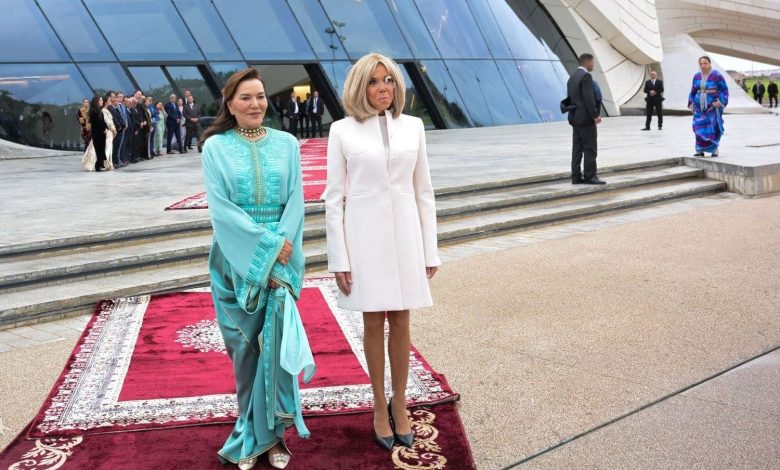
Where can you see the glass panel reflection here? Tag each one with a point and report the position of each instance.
(190, 78)
(413, 28)
(277, 37)
(545, 87)
(38, 104)
(484, 92)
(165, 37)
(453, 29)
(209, 31)
(367, 27)
(445, 94)
(490, 30)
(223, 70)
(153, 82)
(105, 77)
(337, 74)
(518, 91)
(76, 29)
(512, 21)
(414, 106)
(323, 36)
(23, 25)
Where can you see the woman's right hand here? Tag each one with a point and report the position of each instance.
(284, 255)
(344, 281)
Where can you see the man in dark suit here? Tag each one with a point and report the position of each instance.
(135, 129)
(654, 90)
(293, 110)
(122, 135)
(142, 145)
(192, 122)
(305, 115)
(772, 91)
(172, 124)
(583, 117)
(315, 113)
(119, 124)
(758, 92)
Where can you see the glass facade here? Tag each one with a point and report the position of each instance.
(465, 63)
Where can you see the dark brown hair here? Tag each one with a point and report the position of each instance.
(225, 120)
(709, 61)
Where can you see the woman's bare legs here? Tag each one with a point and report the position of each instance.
(374, 348)
(398, 347)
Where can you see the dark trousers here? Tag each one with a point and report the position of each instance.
(305, 125)
(174, 131)
(99, 142)
(140, 147)
(658, 107)
(759, 98)
(584, 144)
(293, 125)
(127, 146)
(192, 131)
(316, 123)
(772, 97)
(116, 155)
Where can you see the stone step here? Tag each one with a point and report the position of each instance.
(38, 302)
(574, 207)
(314, 212)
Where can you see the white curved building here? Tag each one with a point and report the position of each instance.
(630, 37)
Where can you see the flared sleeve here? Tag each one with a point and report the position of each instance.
(291, 227)
(723, 90)
(250, 249)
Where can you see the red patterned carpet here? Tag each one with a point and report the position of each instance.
(157, 364)
(313, 165)
(337, 442)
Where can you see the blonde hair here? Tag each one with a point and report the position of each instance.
(355, 99)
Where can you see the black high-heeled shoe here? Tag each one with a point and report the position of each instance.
(406, 440)
(388, 442)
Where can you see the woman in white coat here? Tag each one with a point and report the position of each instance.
(381, 227)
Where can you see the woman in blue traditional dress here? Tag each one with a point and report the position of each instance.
(708, 98)
(254, 187)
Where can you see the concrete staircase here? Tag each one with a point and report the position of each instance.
(68, 276)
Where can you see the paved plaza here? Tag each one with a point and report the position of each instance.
(641, 339)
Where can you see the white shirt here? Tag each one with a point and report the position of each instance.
(385, 137)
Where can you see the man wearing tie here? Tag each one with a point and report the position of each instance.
(654, 89)
(583, 117)
(192, 123)
(315, 113)
(172, 124)
(292, 114)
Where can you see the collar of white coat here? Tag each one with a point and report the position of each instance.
(374, 122)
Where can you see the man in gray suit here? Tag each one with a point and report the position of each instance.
(583, 117)
(191, 122)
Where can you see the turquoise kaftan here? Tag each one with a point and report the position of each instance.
(255, 197)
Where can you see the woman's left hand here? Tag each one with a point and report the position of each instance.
(717, 104)
(431, 271)
(272, 284)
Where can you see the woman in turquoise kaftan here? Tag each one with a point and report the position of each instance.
(255, 197)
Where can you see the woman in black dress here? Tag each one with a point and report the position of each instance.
(98, 131)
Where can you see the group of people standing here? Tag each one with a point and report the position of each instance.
(118, 130)
(304, 118)
(707, 99)
(759, 90)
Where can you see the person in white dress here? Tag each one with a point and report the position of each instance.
(381, 227)
(110, 130)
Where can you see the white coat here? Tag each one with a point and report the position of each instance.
(380, 215)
